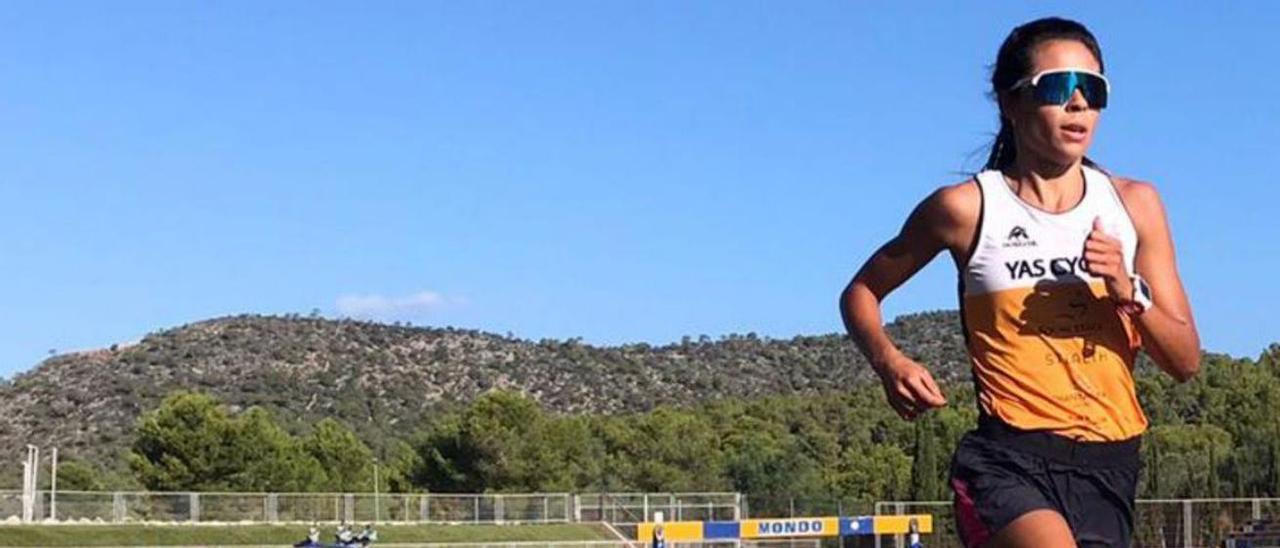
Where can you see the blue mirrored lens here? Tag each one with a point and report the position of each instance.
(1057, 88)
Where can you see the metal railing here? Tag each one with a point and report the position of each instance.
(125, 507)
(625, 509)
(1158, 523)
(142, 506)
(783, 506)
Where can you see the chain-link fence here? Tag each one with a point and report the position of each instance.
(1187, 523)
(1159, 523)
(616, 508)
(1197, 522)
(781, 506)
(125, 507)
(631, 508)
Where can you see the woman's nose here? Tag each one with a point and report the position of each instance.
(1077, 102)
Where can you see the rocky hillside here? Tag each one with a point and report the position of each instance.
(384, 379)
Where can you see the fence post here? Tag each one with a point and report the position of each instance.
(476, 515)
(899, 509)
(737, 506)
(577, 508)
(546, 508)
(1257, 509)
(273, 507)
(1187, 537)
(498, 508)
(424, 508)
(791, 507)
(406, 508)
(117, 507)
(645, 503)
(876, 509)
(350, 513)
(193, 501)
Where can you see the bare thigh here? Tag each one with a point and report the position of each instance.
(1035, 529)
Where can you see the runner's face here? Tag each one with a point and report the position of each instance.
(1053, 133)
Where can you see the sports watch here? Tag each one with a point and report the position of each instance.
(1140, 301)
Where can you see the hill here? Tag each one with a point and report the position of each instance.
(382, 378)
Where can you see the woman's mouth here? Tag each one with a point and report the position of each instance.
(1075, 132)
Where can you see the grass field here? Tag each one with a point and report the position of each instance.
(282, 535)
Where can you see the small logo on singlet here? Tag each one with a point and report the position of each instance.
(1018, 238)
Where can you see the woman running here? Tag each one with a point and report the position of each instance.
(1065, 271)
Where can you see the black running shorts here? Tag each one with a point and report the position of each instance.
(999, 473)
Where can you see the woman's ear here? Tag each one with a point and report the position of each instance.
(1007, 102)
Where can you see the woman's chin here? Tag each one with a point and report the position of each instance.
(1068, 153)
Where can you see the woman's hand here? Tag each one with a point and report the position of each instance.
(909, 388)
(1104, 258)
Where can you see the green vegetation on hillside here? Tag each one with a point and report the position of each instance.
(385, 380)
(1217, 435)
(192, 443)
(308, 404)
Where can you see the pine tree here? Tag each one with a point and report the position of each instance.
(924, 464)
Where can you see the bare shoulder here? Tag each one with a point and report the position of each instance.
(1142, 199)
(1135, 189)
(952, 212)
(956, 202)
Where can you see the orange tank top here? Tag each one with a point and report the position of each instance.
(1049, 349)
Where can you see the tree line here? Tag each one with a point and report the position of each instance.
(1218, 435)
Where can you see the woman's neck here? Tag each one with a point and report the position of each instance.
(1047, 185)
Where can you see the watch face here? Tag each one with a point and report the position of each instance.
(1142, 287)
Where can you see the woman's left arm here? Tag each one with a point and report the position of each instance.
(1168, 329)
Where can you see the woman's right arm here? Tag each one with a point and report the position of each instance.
(945, 220)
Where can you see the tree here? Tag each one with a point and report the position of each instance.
(481, 447)
(563, 455)
(191, 443)
(347, 462)
(76, 475)
(183, 445)
(924, 463)
(671, 449)
(447, 461)
(875, 472)
(498, 426)
(1186, 457)
(764, 457)
(396, 474)
(269, 459)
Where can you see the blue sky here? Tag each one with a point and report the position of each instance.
(617, 171)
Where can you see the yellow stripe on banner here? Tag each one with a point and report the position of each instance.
(790, 527)
(894, 525)
(675, 531)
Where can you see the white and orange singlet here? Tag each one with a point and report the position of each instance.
(1048, 347)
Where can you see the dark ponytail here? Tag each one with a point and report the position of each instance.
(1015, 61)
(1003, 150)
